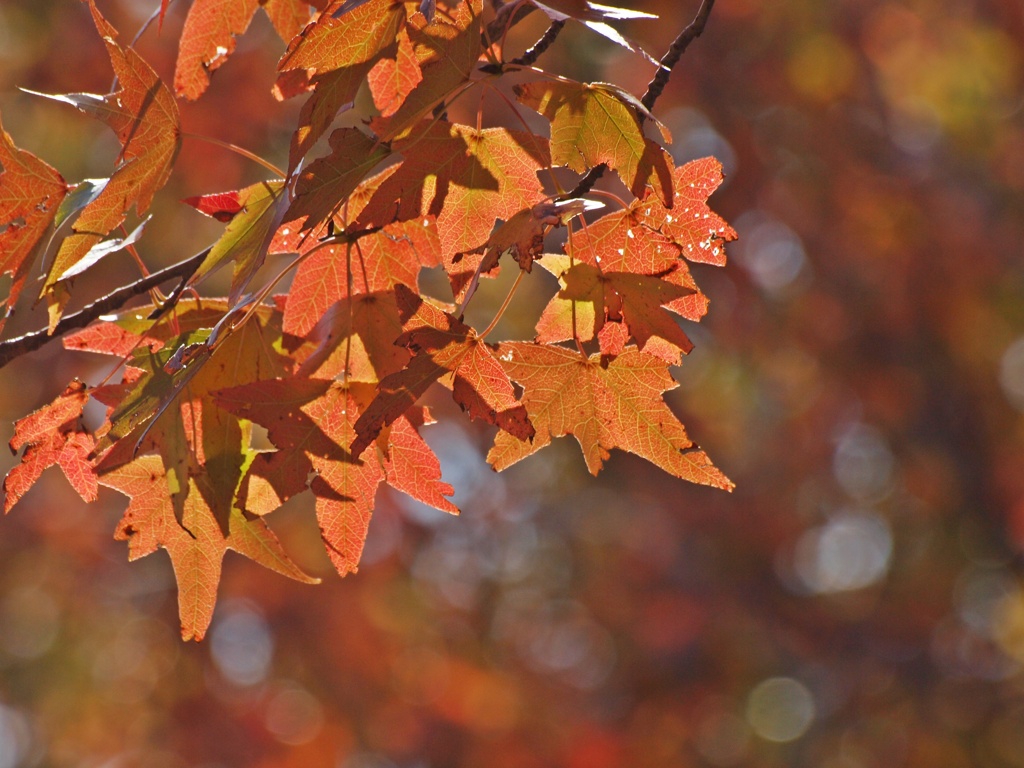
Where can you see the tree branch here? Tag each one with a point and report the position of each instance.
(675, 51)
(655, 88)
(533, 53)
(20, 345)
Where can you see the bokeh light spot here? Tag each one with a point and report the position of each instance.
(770, 251)
(1011, 373)
(294, 716)
(780, 709)
(863, 463)
(242, 646)
(15, 737)
(850, 551)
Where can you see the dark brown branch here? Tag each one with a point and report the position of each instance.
(654, 89)
(533, 53)
(20, 345)
(675, 51)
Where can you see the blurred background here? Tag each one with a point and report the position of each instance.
(856, 603)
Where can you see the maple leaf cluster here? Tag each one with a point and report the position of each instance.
(334, 370)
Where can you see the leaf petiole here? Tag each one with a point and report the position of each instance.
(237, 150)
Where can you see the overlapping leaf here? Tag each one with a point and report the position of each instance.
(169, 403)
(333, 57)
(196, 545)
(375, 263)
(447, 50)
(211, 26)
(649, 240)
(592, 124)
(310, 421)
(324, 185)
(392, 80)
(617, 405)
(253, 215)
(466, 179)
(144, 116)
(443, 347)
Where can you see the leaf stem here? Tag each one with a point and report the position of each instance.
(238, 150)
(504, 305)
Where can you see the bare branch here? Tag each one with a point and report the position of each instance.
(675, 51)
(20, 345)
(533, 53)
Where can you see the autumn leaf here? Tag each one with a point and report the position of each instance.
(392, 80)
(522, 236)
(466, 179)
(196, 545)
(171, 407)
(208, 37)
(447, 50)
(253, 214)
(632, 299)
(617, 405)
(355, 340)
(443, 346)
(376, 263)
(30, 193)
(51, 436)
(310, 421)
(606, 306)
(591, 124)
(332, 57)
(144, 116)
(698, 232)
(323, 186)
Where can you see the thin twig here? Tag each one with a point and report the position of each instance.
(675, 51)
(20, 345)
(654, 89)
(533, 53)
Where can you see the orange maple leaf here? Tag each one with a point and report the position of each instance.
(30, 193)
(53, 435)
(465, 178)
(144, 116)
(208, 37)
(196, 545)
(604, 406)
(310, 421)
(443, 348)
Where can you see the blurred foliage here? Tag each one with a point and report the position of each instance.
(857, 602)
